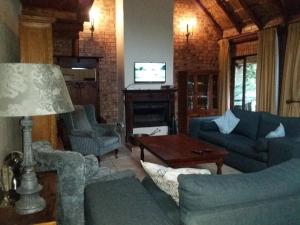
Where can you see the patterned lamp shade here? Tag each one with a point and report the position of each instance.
(32, 89)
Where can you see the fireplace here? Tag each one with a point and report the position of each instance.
(150, 114)
(148, 108)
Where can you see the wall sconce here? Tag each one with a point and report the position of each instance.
(93, 15)
(187, 26)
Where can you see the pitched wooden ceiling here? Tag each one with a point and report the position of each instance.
(238, 14)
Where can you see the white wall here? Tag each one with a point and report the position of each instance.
(10, 135)
(148, 37)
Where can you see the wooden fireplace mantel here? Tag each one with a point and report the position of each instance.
(147, 96)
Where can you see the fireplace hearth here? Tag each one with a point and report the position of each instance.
(148, 108)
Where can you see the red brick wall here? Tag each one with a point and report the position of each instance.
(242, 49)
(201, 53)
(102, 44)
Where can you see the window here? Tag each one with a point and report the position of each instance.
(243, 88)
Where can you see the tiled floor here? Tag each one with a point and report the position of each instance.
(131, 160)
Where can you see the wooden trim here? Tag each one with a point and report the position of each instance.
(237, 25)
(247, 37)
(251, 14)
(290, 101)
(209, 15)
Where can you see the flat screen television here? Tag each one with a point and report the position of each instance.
(149, 72)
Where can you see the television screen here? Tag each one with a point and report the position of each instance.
(149, 72)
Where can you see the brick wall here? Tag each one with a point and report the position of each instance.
(201, 53)
(242, 49)
(102, 44)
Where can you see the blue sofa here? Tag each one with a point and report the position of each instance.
(92, 195)
(248, 148)
(268, 197)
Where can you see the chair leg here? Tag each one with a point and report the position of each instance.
(116, 153)
(98, 158)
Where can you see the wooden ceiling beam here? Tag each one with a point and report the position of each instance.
(237, 25)
(251, 14)
(282, 8)
(205, 10)
(62, 15)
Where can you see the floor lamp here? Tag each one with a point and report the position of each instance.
(31, 90)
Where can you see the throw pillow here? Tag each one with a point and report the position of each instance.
(278, 132)
(166, 178)
(227, 122)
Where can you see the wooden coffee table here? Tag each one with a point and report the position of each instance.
(182, 151)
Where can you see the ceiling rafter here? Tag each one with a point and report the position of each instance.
(237, 25)
(282, 8)
(251, 14)
(210, 16)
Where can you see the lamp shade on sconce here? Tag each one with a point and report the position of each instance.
(32, 89)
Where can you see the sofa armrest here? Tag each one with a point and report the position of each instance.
(196, 124)
(283, 149)
(275, 211)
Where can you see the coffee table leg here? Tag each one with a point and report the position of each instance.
(219, 166)
(142, 152)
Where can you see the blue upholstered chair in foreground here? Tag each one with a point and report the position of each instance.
(74, 173)
(87, 136)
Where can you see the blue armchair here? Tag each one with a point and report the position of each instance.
(74, 173)
(87, 136)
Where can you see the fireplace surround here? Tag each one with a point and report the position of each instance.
(148, 108)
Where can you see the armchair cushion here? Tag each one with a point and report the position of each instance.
(80, 119)
(107, 141)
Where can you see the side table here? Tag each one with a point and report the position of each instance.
(8, 215)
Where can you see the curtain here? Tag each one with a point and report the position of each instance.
(290, 90)
(267, 71)
(224, 76)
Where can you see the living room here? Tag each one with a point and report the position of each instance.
(248, 52)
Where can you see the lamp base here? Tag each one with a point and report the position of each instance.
(30, 201)
(29, 204)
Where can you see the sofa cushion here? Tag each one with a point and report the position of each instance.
(268, 123)
(209, 126)
(245, 146)
(292, 126)
(248, 125)
(261, 145)
(208, 192)
(124, 201)
(163, 200)
(214, 137)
